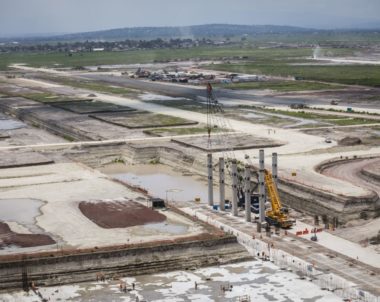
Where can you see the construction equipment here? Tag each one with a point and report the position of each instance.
(276, 215)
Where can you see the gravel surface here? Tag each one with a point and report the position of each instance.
(119, 214)
(9, 238)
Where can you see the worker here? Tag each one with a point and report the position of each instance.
(133, 286)
(195, 285)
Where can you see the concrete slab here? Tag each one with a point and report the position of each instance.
(12, 159)
(90, 106)
(227, 142)
(142, 119)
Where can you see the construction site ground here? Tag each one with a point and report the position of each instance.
(331, 259)
(60, 216)
(262, 281)
(58, 162)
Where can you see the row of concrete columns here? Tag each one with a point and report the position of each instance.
(247, 185)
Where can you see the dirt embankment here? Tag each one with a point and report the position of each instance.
(119, 214)
(350, 171)
(8, 237)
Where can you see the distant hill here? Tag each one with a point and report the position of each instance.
(196, 31)
(148, 33)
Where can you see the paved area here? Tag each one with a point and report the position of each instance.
(258, 280)
(327, 260)
(342, 246)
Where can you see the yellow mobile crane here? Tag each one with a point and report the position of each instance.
(276, 216)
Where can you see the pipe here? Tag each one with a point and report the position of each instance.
(210, 182)
(221, 185)
(247, 191)
(234, 188)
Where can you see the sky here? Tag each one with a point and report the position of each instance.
(19, 17)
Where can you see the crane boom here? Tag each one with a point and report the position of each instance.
(275, 216)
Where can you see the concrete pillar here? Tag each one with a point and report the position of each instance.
(247, 193)
(221, 185)
(210, 181)
(234, 187)
(274, 168)
(261, 187)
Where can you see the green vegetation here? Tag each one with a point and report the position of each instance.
(88, 106)
(43, 97)
(118, 160)
(105, 88)
(283, 86)
(332, 119)
(245, 58)
(90, 85)
(351, 112)
(151, 55)
(154, 161)
(368, 75)
(181, 131)
(353, 121)
(142, 119)
(68, 138)
(182, 104)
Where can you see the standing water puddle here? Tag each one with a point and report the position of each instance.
(10, 124)
(165, 227)
(161, 181)
(23, 211)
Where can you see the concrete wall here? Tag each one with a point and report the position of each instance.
(58, 270)
(314, 202)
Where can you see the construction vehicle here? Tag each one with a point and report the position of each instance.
(254, 201)
(277, 214)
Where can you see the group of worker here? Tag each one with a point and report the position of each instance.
(123, 287)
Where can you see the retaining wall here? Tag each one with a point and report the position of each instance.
(58, 270)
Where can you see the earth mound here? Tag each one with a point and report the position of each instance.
(119, 214)
(350, 141)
